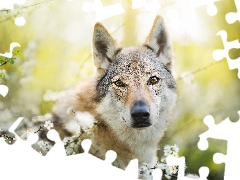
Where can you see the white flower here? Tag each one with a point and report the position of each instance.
(24, 135)
(41, 144)
(148, 173)
(48, 124)
(78, 131)
(66, 140)
(69, 151)
(145, 170)
(163, 159)
(169, 170)
(171, 150)
(86, 130)
(44, 146)
(174, 169)
(167, 150)
(175, 148)
(161, 166)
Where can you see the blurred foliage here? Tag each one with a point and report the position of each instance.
(5, 60)
(56, 42)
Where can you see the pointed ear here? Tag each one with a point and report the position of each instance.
(104, 48)
(159, 42)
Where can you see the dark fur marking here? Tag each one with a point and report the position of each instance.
(117, 51)
(172, 86)
(101, 93)
(147, 46)
(167, 69)
(161, 41)
(103, 49)
(109, 60)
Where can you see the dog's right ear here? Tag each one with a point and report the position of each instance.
(104, 48)
(159, 42)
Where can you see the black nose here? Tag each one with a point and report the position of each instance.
(140, 114)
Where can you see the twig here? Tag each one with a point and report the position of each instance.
(6, 137)
(40, 129)
(199, 70)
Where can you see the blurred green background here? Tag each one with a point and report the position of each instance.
(56, 42)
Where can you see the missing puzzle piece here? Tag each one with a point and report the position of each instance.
(229, 131)
(20, 158)
(12, 46)
(234, 16)
(102, 12)
(180, 162)
(9, 4)
(223, 53)
(211, 7)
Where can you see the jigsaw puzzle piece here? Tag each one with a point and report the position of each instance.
(103, 169)
(229, 131)
(19, 146)
(154, 5)
(12, 46)
(58, 150)
(231, 164)
(180, 162)
(211, 7)
(179, 11)
(103, 12)
(223, 53)
(216, 131)
(234, 16)
(9, 4)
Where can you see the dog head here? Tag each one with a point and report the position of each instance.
(135, 85)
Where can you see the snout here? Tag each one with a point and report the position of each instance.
(140, 114)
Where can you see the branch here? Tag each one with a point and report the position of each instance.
(18, 10)
(199, 70)
(6, 137)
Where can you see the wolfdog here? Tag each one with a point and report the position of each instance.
(131, 95)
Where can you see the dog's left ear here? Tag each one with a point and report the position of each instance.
(159, 42)
(104, 48)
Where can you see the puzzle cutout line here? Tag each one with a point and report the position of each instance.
(234, 16)
(229, 131)
(183, 9)
(21, 150)
(56, 165)
(9, 4)
(224, 53)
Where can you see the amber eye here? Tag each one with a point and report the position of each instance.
(153, 80)
(119, 83)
